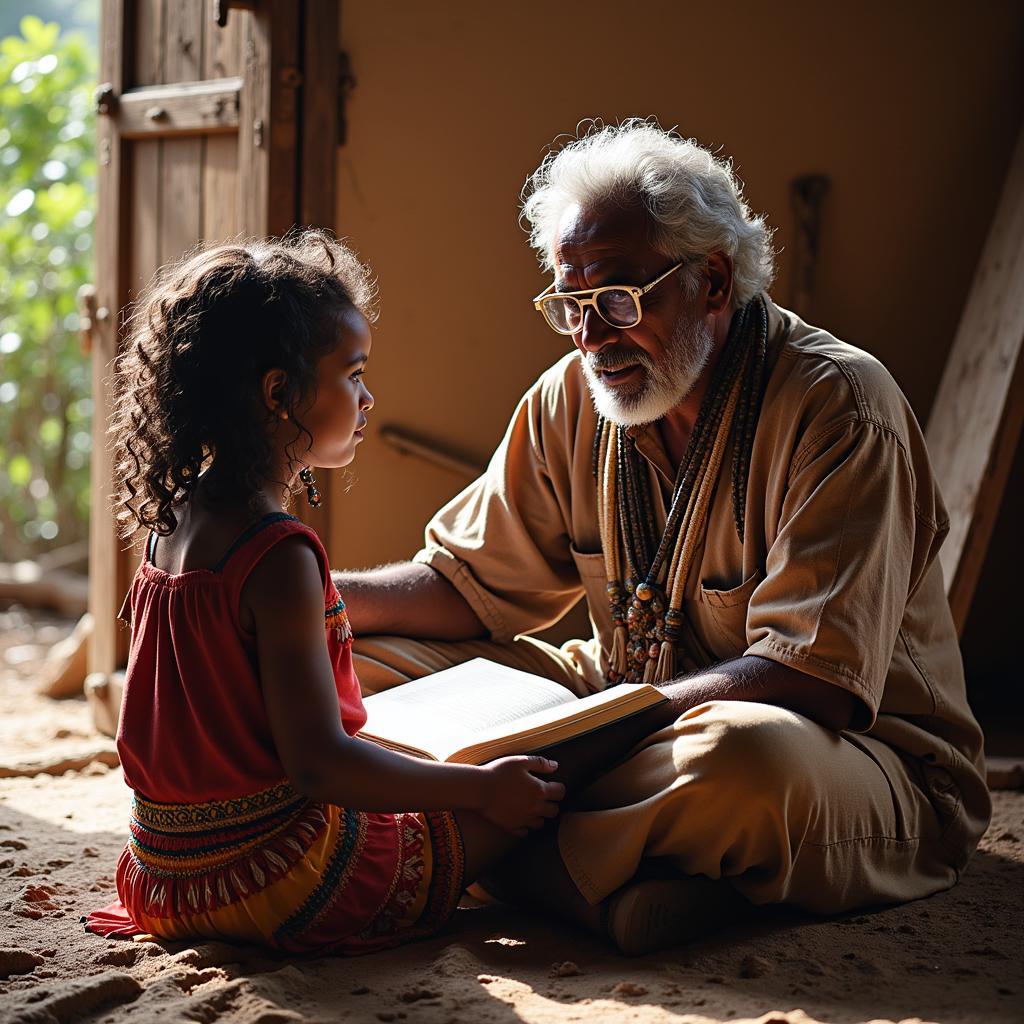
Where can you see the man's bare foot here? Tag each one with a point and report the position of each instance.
(533, 875)
(659, 912)
(656, 909)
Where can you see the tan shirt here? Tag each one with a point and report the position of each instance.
(837, 575)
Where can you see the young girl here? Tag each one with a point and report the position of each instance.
(259, 815)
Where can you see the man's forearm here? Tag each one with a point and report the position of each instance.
(407, 599)
(751, 678)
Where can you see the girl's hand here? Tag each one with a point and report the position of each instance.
(285, 597)
(515, 799)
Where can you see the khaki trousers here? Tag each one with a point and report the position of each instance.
(785, 810)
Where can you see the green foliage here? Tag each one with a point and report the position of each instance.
(47, 204)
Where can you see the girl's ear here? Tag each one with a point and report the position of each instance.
(271, 386)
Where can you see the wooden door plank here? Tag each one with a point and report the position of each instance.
(978, 413)
(143, 210)
(143, 159)
(222, 58)
(146, 33)
(180, 197)
(110, 278)
(222, 47)
(143, 32)
(220, 214)
(183, 41)
(253, 125)
(181, 166)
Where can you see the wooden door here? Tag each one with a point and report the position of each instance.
(205, 131)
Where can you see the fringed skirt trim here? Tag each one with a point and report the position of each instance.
(281, 870)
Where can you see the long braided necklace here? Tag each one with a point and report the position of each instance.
(647, 574)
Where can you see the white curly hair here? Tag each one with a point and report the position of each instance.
(693, 198)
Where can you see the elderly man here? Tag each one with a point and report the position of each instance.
(747, 504)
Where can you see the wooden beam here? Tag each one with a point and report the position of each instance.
(430, 451)
(317, 176)
(978, 413)
(111, 276)
(192, 108)
(268, 136)
(285, 82)
(318, 169)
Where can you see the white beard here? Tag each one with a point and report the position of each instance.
(665, 383)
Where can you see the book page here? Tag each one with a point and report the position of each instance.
(540, 728)
(441, 712)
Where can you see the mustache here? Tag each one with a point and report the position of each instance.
(611, 361)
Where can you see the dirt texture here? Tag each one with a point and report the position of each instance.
(956, 957)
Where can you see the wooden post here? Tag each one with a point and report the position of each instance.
(976, 420)
(110, 296)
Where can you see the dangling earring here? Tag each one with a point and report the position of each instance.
(312, 494)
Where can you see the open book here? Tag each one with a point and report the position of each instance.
(481, 710)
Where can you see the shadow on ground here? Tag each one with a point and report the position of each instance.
(949, 958)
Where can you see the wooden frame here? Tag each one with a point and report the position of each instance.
(111, 294)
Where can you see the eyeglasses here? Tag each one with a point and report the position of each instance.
(616, 304)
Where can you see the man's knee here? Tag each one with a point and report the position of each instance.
(745, 748)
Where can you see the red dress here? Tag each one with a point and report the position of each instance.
(221, 843)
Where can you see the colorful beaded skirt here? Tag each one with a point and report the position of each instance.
(281, 870)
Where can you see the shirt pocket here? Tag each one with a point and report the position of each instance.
(726, 613)
(593, 576)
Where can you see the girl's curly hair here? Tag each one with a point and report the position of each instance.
(201, 337)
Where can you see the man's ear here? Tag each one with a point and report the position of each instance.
(719, 278)
(271, 387)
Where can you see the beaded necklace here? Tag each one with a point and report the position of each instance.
(646, 580)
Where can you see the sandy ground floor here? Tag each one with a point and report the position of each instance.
(956, 957)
